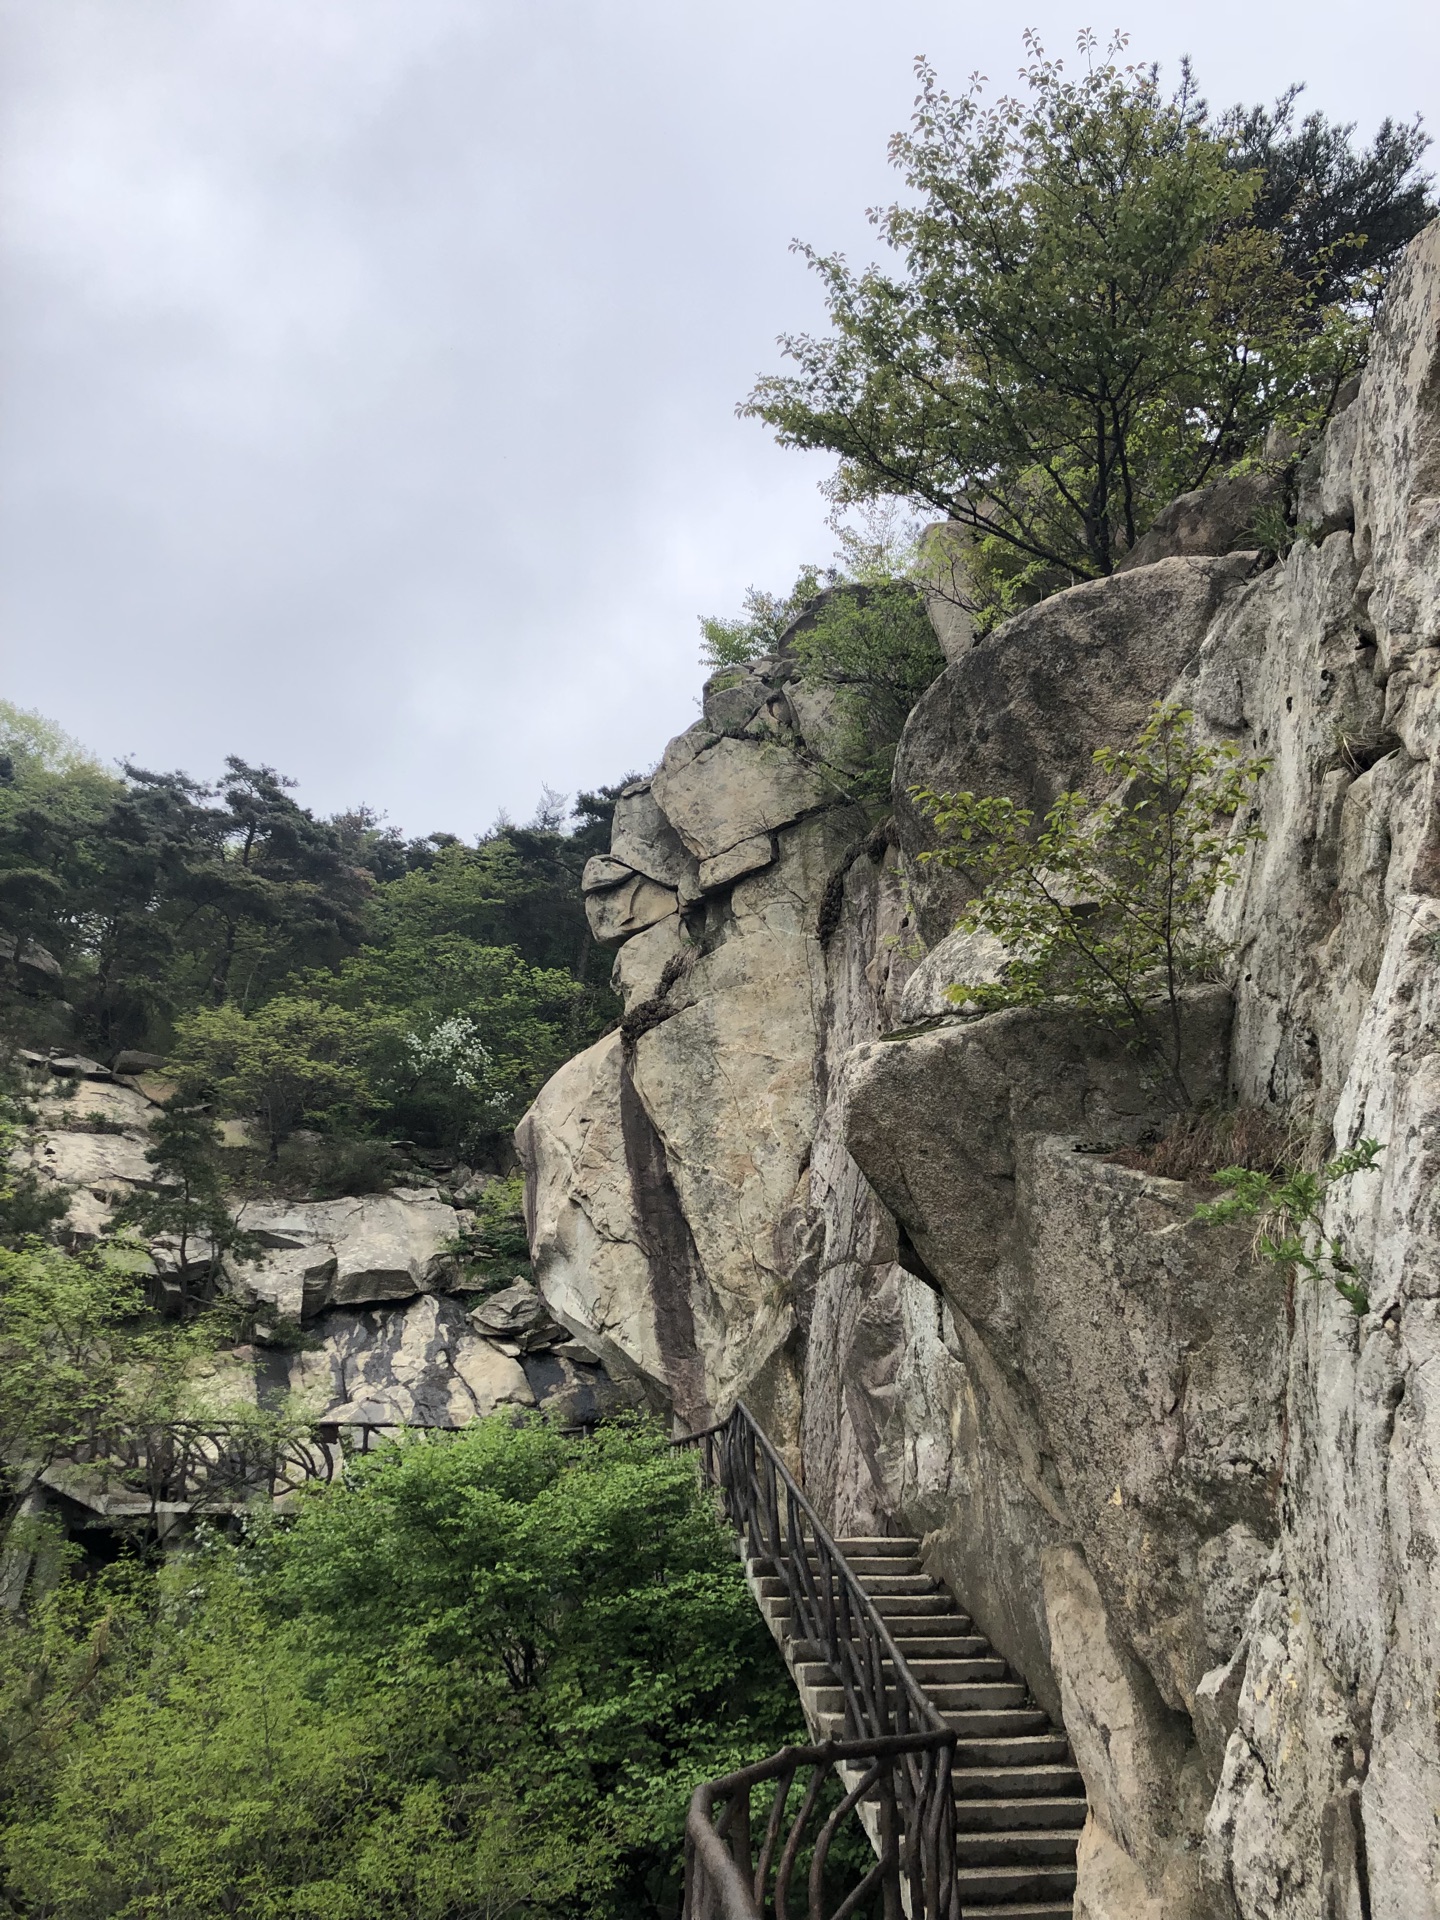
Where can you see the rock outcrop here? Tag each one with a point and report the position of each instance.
(361, 1309)
(1195, 1504)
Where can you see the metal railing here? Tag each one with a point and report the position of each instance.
(211, 1465)
(895, 1739)
(914, 1869)
(196, 1464)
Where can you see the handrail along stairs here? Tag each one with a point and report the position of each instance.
(895, 1739)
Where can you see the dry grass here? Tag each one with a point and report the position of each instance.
(1196, 1145)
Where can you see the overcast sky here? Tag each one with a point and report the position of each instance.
(368, 367)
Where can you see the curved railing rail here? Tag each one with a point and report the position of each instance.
(888, 1716)
(199, 1464)
(205, 1465)
(914, 1869)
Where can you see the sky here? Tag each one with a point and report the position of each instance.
(368, 368)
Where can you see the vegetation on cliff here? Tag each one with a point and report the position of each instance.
(1105, 906)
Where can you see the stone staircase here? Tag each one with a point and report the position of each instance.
(1019, 1801)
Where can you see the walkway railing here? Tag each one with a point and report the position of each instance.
(197, 1464)
(894, 1737)
(204, 1466)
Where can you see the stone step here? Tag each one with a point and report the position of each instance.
(1026, 1910)
(1043, 1781)
(984, 1814)
(920, 1645)
(1012, 1722)
(907, 1619)
(963, 1696)
(1017, 1846)
(1048, 1749)
(989, 1669)
(876, 1584)
(1002, 1886)
(866, 1566)
(930, 1626)
(934, 1604)
(879, 1545)
(1012, 1737)
(970, 1722)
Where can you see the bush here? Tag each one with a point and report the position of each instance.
(756, 632)
(497, 1248)
(1290, 1207)
(1105, 908)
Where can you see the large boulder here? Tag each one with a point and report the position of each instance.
(1022, 713)
(934, 1119)
(725, 1078)
(420, 1364)
(642, 839)
(720, 791)
(107, 1165)
(517, 1315)
(587, 1150)
(331, 1253)
(615, 912)
(34, 968)
(1233, 514)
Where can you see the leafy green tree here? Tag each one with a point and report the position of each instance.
(189, 1203)
(485, 1672)
(53, 796)
(1087, 320)
(292, 1059)
(1105, 907)
(79, 1348)
(860, 634)
(757, 630)
(29, 1207)
(460, 1035)
(872, 647)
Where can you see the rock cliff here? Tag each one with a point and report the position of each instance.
(1195, 1505)
(361, 1310)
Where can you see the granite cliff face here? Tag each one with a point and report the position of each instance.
(1196, 1506)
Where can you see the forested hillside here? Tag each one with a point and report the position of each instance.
(324, 973)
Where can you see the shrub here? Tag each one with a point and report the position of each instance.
(1290, 1206)
(1105, 908)
(756, 632)
(497, 1247)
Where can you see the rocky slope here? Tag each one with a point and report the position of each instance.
(361, 1311)
(1198, 1508)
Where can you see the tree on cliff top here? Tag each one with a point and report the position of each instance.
(1106, 297)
